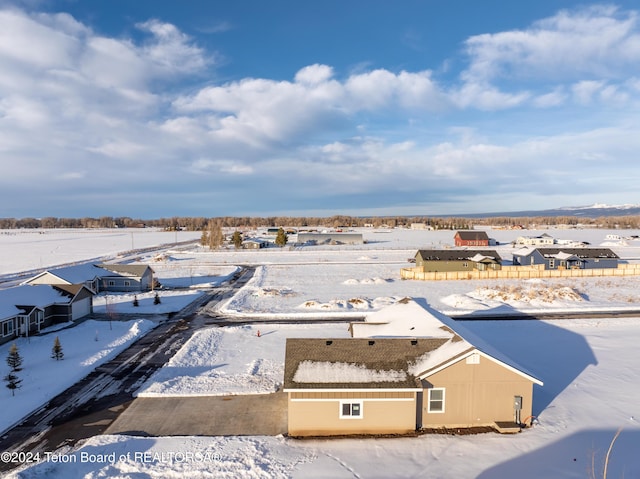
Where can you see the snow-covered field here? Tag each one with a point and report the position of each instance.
(589, 367)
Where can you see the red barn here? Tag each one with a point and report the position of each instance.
(471, 238)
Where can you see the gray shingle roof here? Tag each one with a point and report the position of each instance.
(455, 254)
(387, 354)
(579, 252)
(126, 269)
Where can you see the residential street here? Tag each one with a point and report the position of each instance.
(92, 404)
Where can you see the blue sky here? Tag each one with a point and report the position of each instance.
(159, 108)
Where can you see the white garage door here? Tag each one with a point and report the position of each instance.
(80, 308)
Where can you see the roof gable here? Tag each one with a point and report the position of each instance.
(394, 320)
(132, 270)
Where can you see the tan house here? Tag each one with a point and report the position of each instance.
(351, 386)
(406, 368)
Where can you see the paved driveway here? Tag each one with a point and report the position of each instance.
(258, 414)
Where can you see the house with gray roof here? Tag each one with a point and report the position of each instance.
(126, 277)
(99, 277)
(438, 260)
(566, 258)
(25, 310)
(406, 368)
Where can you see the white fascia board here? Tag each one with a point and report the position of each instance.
(359, 390)
(491, 358)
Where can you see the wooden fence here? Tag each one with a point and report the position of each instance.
(520, 272)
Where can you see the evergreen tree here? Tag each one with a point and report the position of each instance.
(135, 301)
(56, 351)
(13, 382)
(14, 360)
(156, 299)
(236, 239)
(281, 237)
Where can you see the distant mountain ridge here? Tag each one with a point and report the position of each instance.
(593, 211)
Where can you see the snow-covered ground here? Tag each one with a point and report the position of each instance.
(591, 388)
(84, 346)
(28, 249)
(589, 367)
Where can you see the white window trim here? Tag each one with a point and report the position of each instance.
(444, 395)
(352, 401)
(10, 328)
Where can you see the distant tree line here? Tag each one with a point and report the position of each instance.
(337, 221)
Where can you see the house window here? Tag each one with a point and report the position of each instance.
(552, 263)
(436, 400)
(127, 283)
(351, 410)
(39, 317)
(112, 283)
(7, 328)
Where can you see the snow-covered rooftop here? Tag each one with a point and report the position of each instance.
(37, 295)
(407, 318)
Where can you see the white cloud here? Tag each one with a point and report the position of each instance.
(486, 97)
(314, 74)
(585, 91)
(600, 41)
(172, 50)
(554, 98)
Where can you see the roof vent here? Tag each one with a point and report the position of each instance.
(329, 342)
(371, 343)
(414, 342)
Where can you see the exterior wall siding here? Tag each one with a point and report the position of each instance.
(315, 415)
(125, 284)
(436, 266)
(477, 395)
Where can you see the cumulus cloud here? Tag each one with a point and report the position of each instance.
(314, 74)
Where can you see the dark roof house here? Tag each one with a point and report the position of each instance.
(406, 368)
(457, 259)
(566, 258)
